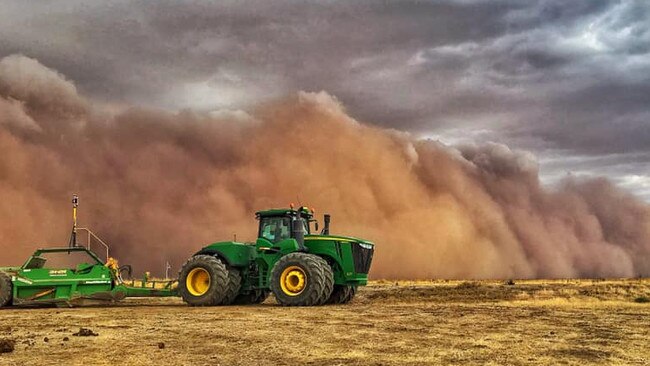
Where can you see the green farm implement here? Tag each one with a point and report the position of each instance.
(90, 280)
(72, 275)
(299, 267)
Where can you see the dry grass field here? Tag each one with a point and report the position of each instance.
(407, 323)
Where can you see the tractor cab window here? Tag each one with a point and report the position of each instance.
(275, 229)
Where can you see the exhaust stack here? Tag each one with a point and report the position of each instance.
(326, 225)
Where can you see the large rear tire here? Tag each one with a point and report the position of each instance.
(6, 290)
(203, 281)
(234, 284)
(301, 279)
(342, 294)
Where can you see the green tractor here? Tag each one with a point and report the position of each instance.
(298, 267)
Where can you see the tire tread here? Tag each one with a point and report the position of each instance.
(320, 280)
(220, 278)
(6, 289)
(234, 284)
(342, 294)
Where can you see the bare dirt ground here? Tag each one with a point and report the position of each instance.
(405, 323)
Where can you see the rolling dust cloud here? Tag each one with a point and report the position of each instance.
(158, 185)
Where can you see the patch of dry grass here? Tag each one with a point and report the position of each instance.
(409, 323)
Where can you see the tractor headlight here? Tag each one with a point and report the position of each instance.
(365, 246)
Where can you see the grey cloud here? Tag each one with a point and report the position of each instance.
(570, 76)
(628, 170)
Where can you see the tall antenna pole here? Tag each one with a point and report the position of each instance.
(167, 268)
(75, 204)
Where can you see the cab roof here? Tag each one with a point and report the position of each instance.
(284, 212)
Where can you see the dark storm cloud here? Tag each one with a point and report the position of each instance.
(563, 76)
(249, 44)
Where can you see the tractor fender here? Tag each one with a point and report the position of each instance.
(336, 265)
(215, 253)
(231, 253)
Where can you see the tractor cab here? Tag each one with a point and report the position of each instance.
(276, 225)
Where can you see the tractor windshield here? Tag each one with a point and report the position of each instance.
(278, 228)
(275, 229)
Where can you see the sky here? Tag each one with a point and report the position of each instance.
(568, 81)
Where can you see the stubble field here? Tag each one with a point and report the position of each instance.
(389, 323)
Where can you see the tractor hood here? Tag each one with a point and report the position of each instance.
(338, 238)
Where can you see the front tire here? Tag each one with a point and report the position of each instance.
(342, 294)
(6, 290)
(301, 279)
(203, 281)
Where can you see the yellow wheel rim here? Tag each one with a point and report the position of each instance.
(293, 280)
(198, 281)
